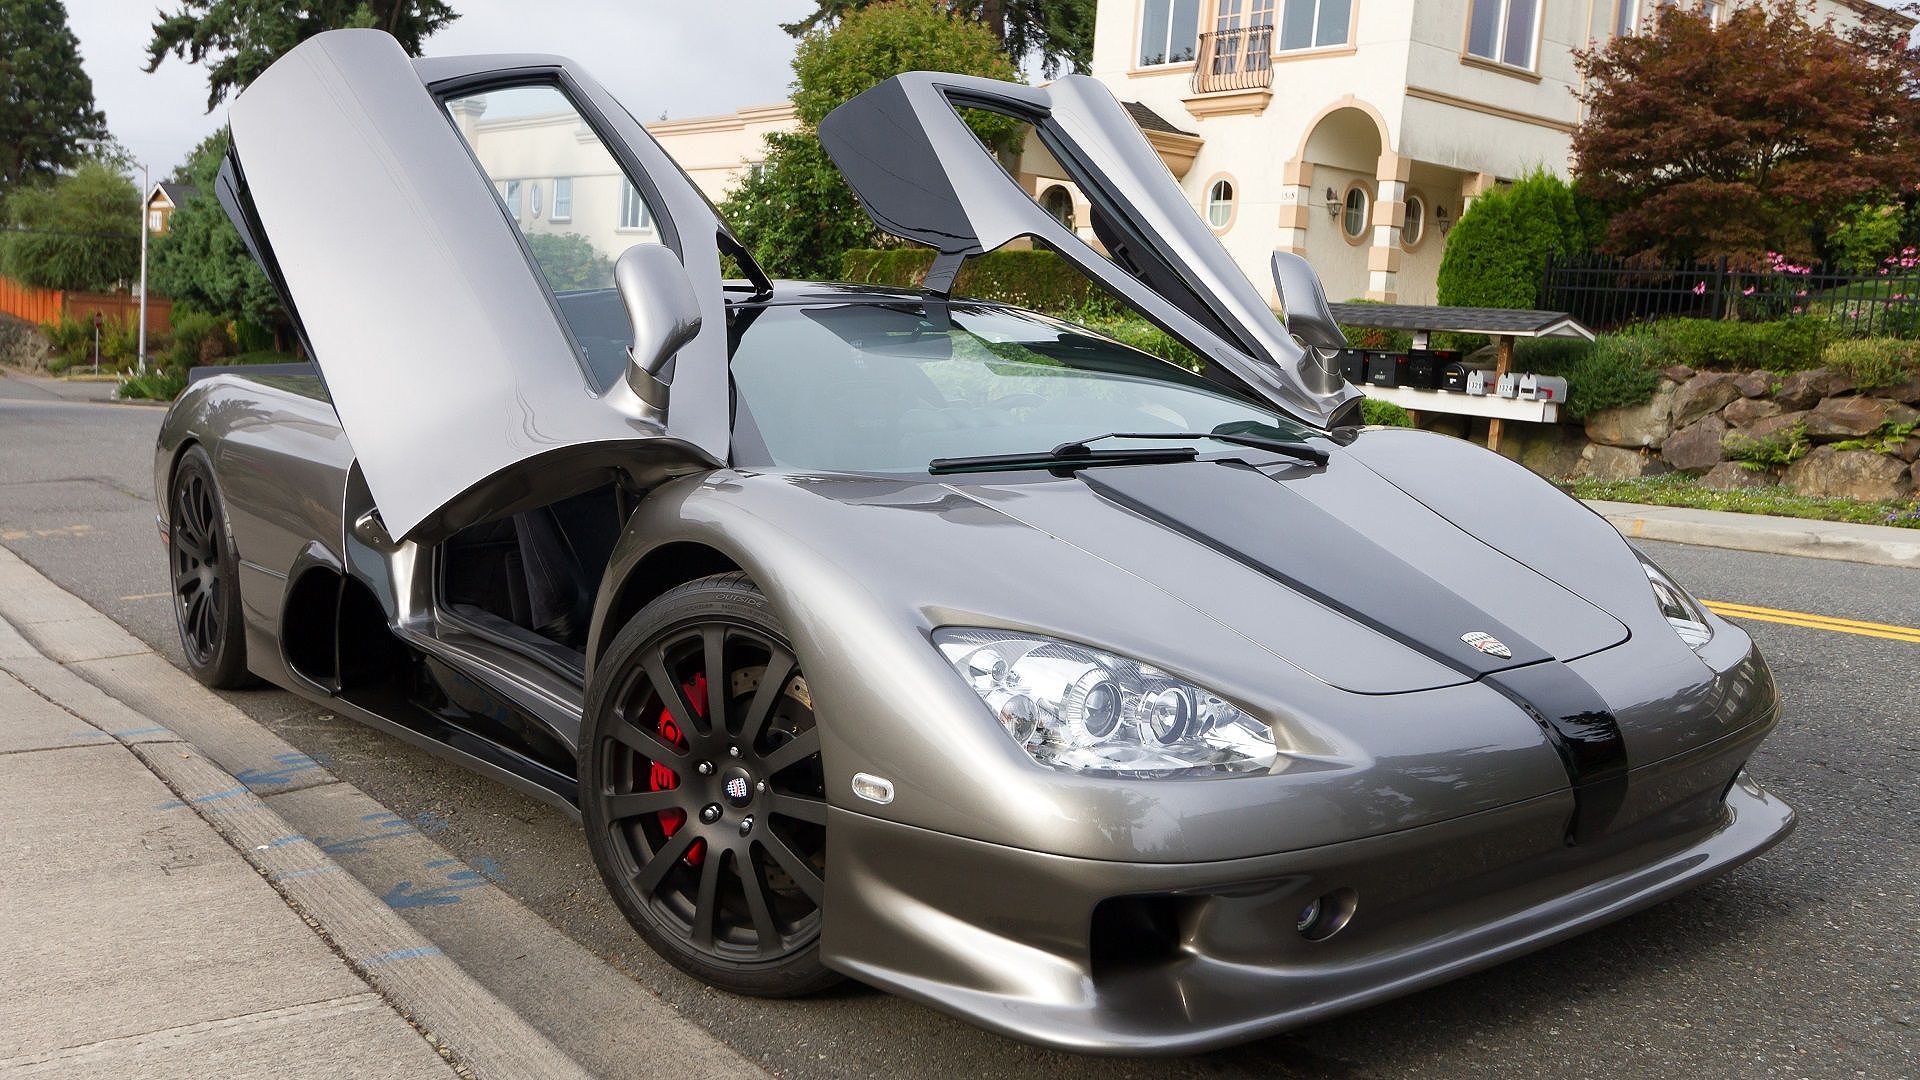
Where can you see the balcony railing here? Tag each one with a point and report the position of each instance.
(1239, 59)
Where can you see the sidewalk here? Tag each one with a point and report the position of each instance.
(1882, 545)
(19, 384)
(160, 920)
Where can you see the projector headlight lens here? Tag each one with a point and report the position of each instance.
(1078, 709)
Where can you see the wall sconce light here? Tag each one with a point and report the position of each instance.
(1334, 205)
(1441, 220)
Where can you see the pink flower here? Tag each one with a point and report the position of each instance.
(1700, 289)
(1802, 292)
(1899, 296)
(1748, 291)
(1796, 311)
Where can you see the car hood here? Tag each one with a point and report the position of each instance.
(1335, 569)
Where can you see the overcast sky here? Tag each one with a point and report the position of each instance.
(657, 56)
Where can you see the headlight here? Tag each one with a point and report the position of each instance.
(1683, 612)
(1082, 710)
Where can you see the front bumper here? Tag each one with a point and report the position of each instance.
(1174, 958)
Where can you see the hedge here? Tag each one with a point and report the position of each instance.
(1040, 280)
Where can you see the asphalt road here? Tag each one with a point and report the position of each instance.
(1804, 963)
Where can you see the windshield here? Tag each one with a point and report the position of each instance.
(882, 388)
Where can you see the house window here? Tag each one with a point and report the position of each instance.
(511, 190)
(1220, 204)
(1415, 227)
(562, 199)
(1058, 203)
(156, 221)
(633, 209)
(1353, 217)
(1504, 31)
(1314, 24)
(1169, 31)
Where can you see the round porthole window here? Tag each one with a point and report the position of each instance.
(1353, 221)
(1059, 203)
(1415, 226)
(1220, 203)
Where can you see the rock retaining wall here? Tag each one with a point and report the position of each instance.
(1813, 431)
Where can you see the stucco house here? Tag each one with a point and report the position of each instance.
(1354, 132)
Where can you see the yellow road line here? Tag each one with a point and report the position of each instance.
(1811, 621)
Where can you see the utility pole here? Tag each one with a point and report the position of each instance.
(146, 194)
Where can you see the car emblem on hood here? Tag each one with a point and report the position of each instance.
(1487, 643)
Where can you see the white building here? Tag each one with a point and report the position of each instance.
(1354, 132)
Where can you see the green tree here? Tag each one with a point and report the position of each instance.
(79, 231)
(1746, 136)
(1497, 253)
(794, 210)
(1060, 31)
(569, 261)
(201, 261)
(238, 39)
(46, 99)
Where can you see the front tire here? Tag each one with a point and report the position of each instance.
(204, 570)
(702, 791)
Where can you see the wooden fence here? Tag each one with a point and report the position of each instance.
(49, 305)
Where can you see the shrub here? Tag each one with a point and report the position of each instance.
(1873, 362)
(1776, 452)
(1384, 414)
(198, 338)
(1497, 253)
(1868, 234)
(1781, 345)
(1615, 371)
(157, 385)
(1040, 280)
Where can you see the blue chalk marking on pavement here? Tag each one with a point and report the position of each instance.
(389, 824)
(284, 841)
(431, 823)
(95, 733)
(401, 954)
(198, 799)
(289, 765)
(407, 895)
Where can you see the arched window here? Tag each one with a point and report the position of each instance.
(1415, 227)
(1058, 202)
(1353, 219)
(1220, 204)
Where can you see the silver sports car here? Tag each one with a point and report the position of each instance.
(926, 641)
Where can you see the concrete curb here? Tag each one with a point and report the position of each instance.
(1879, 545)
(412, 973)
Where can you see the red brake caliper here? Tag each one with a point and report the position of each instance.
(661, 778)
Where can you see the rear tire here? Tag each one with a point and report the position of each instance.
(204, 570)
(706, 812)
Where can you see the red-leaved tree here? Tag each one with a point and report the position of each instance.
(1746, 137)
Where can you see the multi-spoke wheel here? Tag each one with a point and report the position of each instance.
(702, 791)
(206, 588)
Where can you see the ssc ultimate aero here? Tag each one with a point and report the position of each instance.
(926, 641)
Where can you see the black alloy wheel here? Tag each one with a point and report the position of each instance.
(203, 569)
(702, 790)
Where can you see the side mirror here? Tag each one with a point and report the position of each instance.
(1304, 299)
(664, 311)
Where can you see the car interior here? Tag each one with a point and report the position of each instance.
(531, 577)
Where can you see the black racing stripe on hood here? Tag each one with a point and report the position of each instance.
(1257, 521)
(1584, 731)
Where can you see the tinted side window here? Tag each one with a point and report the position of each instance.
(569, 197)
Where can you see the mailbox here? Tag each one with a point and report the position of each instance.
(1453, 377)
(1546, 388)
(1353, 365)
(1529, 386)
(1509, 385)
(1477, 382)
(1386, 369)
(1425, 367)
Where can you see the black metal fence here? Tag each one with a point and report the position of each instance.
(1608, 293)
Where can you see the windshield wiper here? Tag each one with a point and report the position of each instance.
(1065, 456)
(1299, 450)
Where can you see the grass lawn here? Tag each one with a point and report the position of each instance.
(1678, 490)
